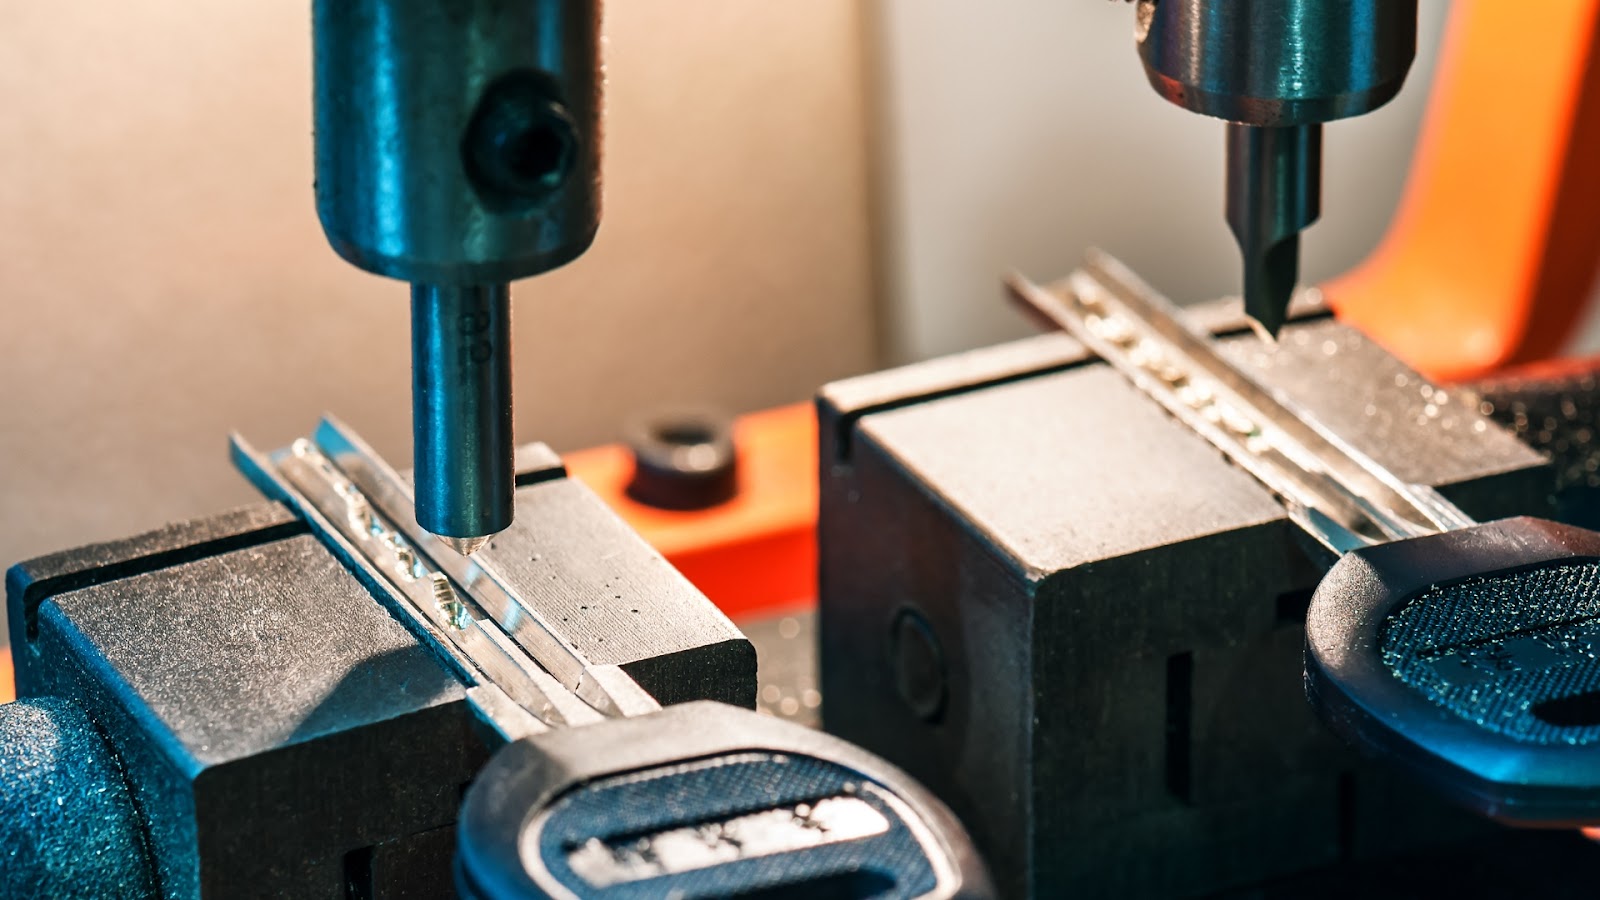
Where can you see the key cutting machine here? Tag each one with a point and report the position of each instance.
(1078, 627)
(444, 682)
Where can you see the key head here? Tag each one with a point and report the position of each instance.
(1472, 659)
(705, 800)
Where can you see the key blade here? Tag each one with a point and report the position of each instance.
(517, 614)
(1141, 334)
(517, 697)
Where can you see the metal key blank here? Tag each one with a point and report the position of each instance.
(1466, 653)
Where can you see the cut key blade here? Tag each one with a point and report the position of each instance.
(1141, 334)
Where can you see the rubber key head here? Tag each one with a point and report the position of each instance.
(699, 830)
(702, 801)
(1472, 659)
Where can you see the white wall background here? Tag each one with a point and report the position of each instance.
(163, 279)
(1015, 133)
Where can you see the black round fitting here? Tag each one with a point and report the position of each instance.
(683, 460)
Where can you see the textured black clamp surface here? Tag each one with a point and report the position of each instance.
(51, 756)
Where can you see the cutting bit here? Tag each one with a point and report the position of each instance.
(458, 150)
(1274, 191)
(461, 411)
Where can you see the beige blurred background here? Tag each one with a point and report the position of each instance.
(165, 281)
(781, 179)
(1019, 132)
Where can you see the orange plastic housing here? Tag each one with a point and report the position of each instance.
(756, 553)
(8, 687)
(1490, 259)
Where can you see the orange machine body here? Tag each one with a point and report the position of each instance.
(1491, 258)
(754, 554)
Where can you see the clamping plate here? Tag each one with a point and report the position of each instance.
(525, 677)
(1466, 653)
(696, 800)
(1338, 494)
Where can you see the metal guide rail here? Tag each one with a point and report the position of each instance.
(525, 677)
(1466, 653)
(1338, 494)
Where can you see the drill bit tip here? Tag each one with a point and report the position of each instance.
(1274, 191)
(1269, 280)
(461, 412)
(466, 546)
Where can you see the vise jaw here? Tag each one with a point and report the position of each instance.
(1079, 625)
(272, 729)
